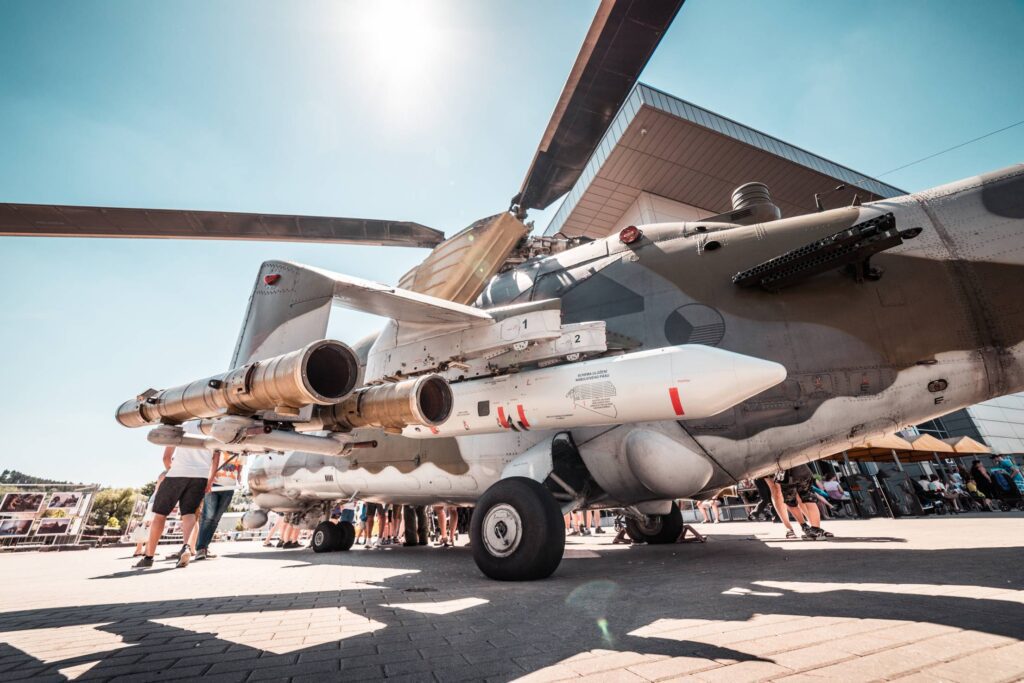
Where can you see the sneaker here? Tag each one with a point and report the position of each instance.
(184, 557)
(290, 544)
(599, 530)
(172, 556)
(201, 554)
(144, 563)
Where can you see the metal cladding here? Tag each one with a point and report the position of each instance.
(321, 373)
(683, 382)
(425, 401)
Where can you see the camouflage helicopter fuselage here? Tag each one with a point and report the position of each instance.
(941, 328)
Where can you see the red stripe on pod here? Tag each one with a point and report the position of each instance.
(502, 420)
(677, 405)
(522, 416)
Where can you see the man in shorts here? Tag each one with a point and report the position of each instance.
(798, 496)
(190, 476)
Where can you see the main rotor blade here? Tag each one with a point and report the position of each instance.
(48, 220)
(615, 51)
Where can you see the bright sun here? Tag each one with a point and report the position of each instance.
(402, 46)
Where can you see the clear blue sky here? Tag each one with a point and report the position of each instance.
(427, 111)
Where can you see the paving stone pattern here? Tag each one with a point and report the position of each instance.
(915, 600)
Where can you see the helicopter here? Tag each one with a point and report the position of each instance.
(528, 376)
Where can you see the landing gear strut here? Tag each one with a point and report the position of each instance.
(517, 532)
(656, 529)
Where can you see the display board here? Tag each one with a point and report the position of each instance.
(21, 502)
(68, 501)
(15, 528)
(45, 517)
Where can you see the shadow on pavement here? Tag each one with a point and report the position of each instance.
(593, 602)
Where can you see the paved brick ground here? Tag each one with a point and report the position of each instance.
(928, 599)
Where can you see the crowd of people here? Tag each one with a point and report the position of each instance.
(979, 489)
(200, 484)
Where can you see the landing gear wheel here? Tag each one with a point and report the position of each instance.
(656, 529)
(348, 535)
(516, 531)
(326, 537)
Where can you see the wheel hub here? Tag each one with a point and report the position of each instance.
(650, 525)
(318, 538)
(502, 530)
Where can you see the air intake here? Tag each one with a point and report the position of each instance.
(751, 203)
(749, 195)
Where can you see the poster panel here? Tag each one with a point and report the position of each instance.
(69, 501)
(15, 528)
(22, 501)
(54, 526)
(140, 508)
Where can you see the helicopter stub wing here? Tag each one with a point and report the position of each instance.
(50, 220)
(291, 303)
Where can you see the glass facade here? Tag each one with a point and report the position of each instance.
(998, 423)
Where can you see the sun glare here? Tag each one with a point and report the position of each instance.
(403, 47)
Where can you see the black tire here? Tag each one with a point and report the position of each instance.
(661, 528)
(347, 535)
(327, 537)
(516, 531)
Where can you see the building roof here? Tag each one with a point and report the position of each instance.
(668, 147)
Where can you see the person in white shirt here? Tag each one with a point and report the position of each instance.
(190, 476)
(834, 489)
(935, 485)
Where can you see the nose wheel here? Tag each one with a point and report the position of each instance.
(516, 531)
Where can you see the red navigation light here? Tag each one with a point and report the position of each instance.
(271, 279)
(630, 234)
